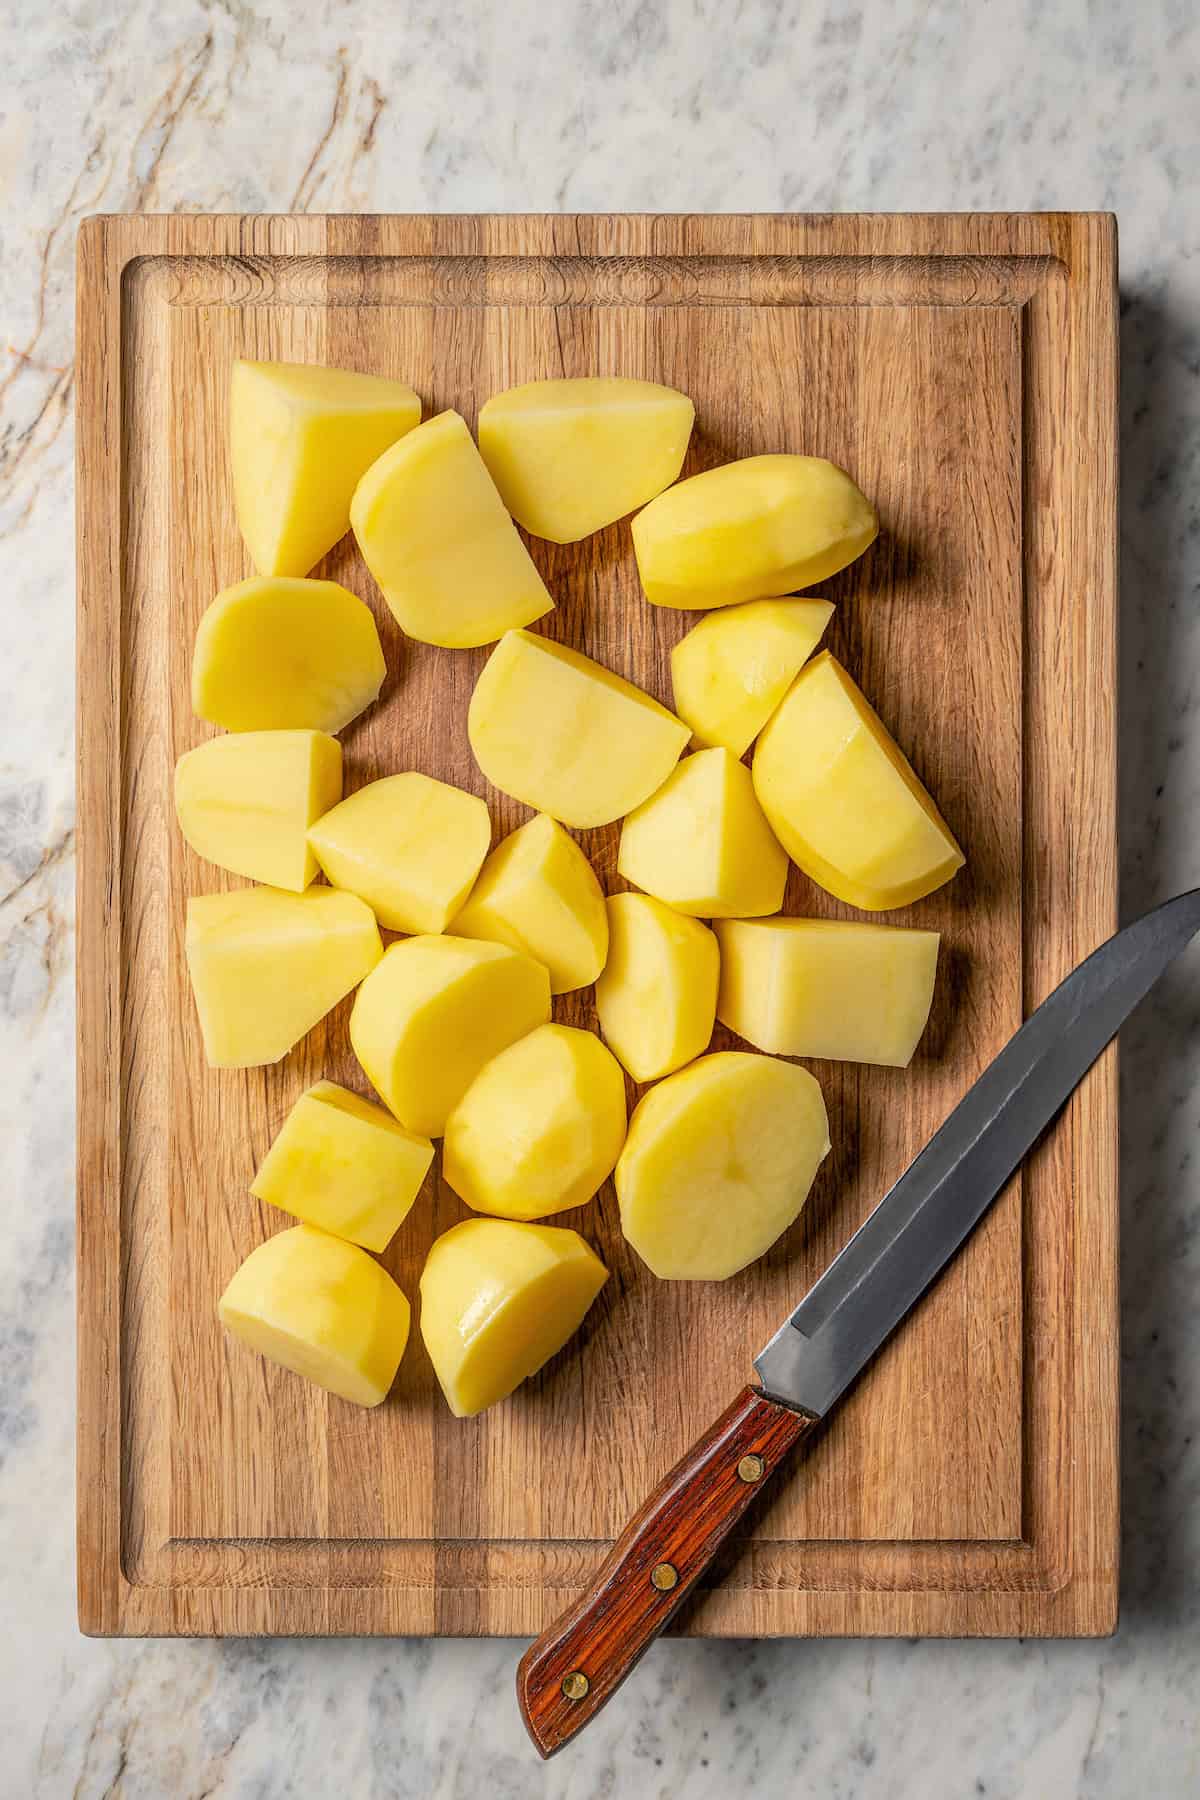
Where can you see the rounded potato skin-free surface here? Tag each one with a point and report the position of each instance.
(245, 801)
(732, 669)
(657, 997)
(540, 1127)
(408, 845)
(702, 842)
(718, 1162)
(498, 1299)
(538, 892)
(323, 1309)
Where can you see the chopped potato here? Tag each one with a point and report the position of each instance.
(657, 998)
(498, 1299)
(537, 892)
(246, 801)
(344, 1165)
(732, 669)
(540, 1127)
(701, 842)
(718, 1162)
(408, 845)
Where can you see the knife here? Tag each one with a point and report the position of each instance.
(578, 1662)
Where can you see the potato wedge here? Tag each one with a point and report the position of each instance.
(732, 669)
(246, 801)
(408, 845)
(537, 892)
(657, 997)
(702, 844)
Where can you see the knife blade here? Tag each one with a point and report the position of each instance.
(569, 1672)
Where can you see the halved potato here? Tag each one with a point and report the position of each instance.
(702, 844)
(732, 669)
(657, 998)
(408, 845)
(266, 966)
(842, 798)
(497, 1300)
(323, 1309)
(436, 1010)
(300, 436)
(718, 1162)
(540, 1127)
(438, 540)
(747, 530)
(279, 654)
(246, 801)
(344, 1165)
(537, 892)
(570, 456)
(553, 728)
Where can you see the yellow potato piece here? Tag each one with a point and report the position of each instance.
(300, 437)
(497, 1300)
(732, 669)
(571, 456)
(323, 1309)
(344, 1165)
(718, 1162)
(830, 988)
(701, 842)
(657, 998)
(437, 538)
(537, 892)
(267, 966)
(246, 801)
(283, 654)
(540, 1127)
(434, 1012)
(842, 799)
(750, 529)
(552, 728)
(408, 845)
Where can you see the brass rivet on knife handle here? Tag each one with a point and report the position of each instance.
(575, 1685)
(751, 1468)
(664, 1575)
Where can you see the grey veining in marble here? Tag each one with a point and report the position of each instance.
(691, 104)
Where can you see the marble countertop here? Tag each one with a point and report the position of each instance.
(691, 105)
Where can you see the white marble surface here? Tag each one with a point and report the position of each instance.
(712, 104)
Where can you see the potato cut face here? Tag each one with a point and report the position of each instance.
(830, 988)
(408, 845)
(540, 1127)
(537, 892)
(438, 1010)
(556, 730)
(343, 1164)
(657, 997)
(732, 669)
(573, 455)
(300, 438)
(277, 654)
(843, 800)
(438, 539)
(745, 531)
(498, 1299)
(323, 1309)
(266, 966)
(702, 843)
(718, 1162)
(246, 801)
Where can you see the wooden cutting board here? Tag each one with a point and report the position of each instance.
(964, 370)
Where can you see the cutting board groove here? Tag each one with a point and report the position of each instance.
(963, 368)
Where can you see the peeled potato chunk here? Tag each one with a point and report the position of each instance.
(718, 1162)
(732, 669)
(657, 998)
(408, 845)
(437, 538)
(537, 892)
(843, 800)
(552, 728)
(246, 801)
(434, 1012)
(267, 966)
(827, 988)
(343, 1164)
(300, 437)
(747, 530)
(497, 1300)
(323, 1309)
(280, 654)
(571, 456)
(701, 842)
(540, 1127)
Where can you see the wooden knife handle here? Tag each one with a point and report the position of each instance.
(569, 1672)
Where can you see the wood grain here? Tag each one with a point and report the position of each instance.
(963, 369)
